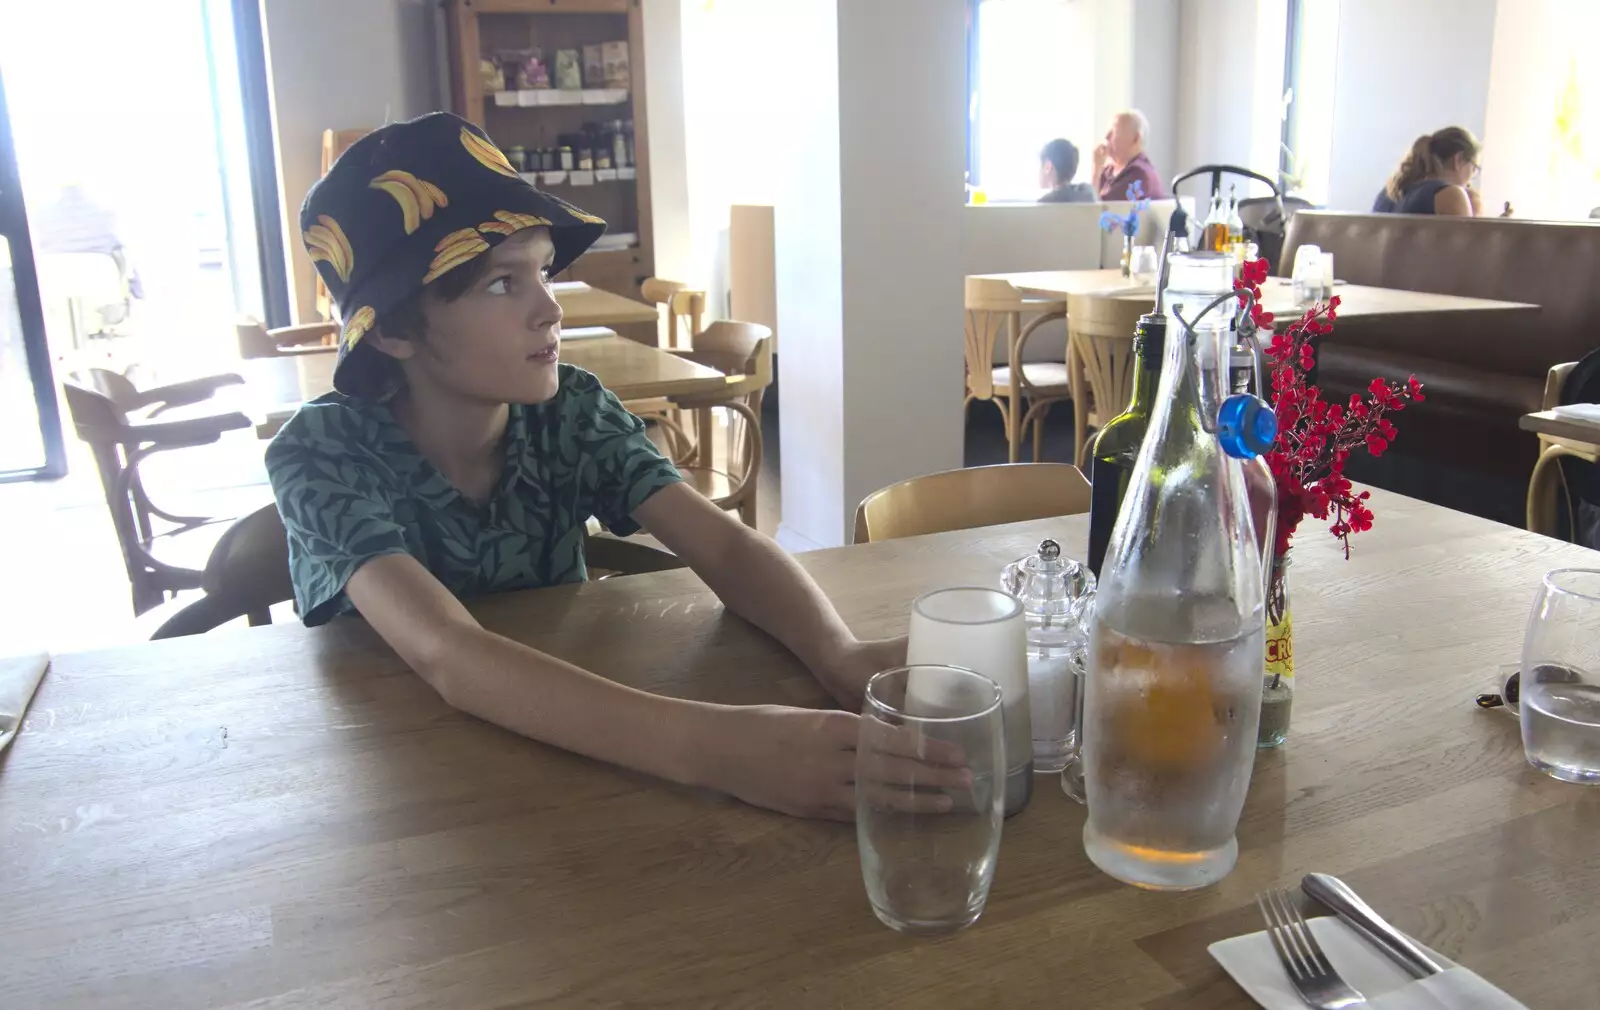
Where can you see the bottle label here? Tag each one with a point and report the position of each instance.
(1280, 646)
(1108, 481)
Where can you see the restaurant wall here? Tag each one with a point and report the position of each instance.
(355, 63)
(1229, 86)
(868, 257)
(1404, 69)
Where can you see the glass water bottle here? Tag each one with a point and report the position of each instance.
(1174, 683)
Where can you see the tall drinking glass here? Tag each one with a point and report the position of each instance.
(983, 629)
(928, 838)
(1560, 691)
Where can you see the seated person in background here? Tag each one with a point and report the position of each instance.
(1435, 177)
(1058, 163)
(459, 458)
(1119, 160)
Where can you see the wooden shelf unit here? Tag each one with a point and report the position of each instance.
(481, 28)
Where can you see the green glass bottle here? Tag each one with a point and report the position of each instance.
(1116, 447)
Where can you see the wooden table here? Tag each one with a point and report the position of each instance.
(1356, 301)
(288, 815)
(632, 370)
(1573, 429)
(582, 305)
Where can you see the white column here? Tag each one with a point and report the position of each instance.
(868, 225)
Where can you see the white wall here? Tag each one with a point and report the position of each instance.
(1153, 89)
(869, 256)
(1404, 69)
(1229, 85)
(1540, 50)
(355, 63)
(668, 140)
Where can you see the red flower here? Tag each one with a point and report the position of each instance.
(1316, 437)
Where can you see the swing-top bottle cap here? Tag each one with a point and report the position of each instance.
(1246, 426)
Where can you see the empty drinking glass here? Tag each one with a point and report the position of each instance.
(982, 629)
(1560, 689)
(930, 766)
(1146, 260)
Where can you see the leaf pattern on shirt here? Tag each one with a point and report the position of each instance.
(351, 486)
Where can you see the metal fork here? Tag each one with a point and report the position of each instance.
(1309, 971)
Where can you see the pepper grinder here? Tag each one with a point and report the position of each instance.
(1055, 594)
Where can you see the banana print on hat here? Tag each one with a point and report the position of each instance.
(417, 197)
(358, 324)
(326, 241)
(487, 154)
(508, 221)
(454, 249)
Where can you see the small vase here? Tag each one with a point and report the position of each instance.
(1127, 255)
(1277, 689)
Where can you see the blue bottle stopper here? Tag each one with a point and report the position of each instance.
(1246, 426)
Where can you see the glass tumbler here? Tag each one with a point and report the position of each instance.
(930, 765)
(983, 629)
(1560, 689)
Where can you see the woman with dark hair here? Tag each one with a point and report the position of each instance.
(1435, 177)
(1058, 163)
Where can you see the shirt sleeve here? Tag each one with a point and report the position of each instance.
(337, 518)
(622, 468)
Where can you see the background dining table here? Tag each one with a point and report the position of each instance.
(1356, 301)
(632, 370)
(286, 817)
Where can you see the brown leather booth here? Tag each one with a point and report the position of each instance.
(1481, 374)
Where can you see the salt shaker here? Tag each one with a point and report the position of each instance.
(1055, 594)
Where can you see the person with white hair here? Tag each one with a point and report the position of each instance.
(1120, 161)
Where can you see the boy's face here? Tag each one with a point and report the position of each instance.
(500, 341)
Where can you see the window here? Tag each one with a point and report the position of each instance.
(1030, 79)
(1310, 52)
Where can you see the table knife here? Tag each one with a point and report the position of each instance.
(1347, 905)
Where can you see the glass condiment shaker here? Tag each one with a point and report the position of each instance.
(1055, 594)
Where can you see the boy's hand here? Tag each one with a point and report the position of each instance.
(845, 673)
(802, 762)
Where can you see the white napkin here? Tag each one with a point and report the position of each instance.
(1254, 964)
(19, 678)
(1578, 411)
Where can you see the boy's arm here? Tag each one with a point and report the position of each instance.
(759, 581)
(797, 761)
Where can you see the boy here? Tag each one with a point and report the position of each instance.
(458, 457)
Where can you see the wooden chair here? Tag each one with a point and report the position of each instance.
(248, 573)
(978, 496)
(149, 403)
(256, 341)
(157, 563)
(1023, 392)
(1547, 485)
(743, 352)
(1100, 356)
(685, 309)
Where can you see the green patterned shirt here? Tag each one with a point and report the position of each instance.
(351, 487)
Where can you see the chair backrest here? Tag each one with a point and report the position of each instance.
(992, 306)
(977, 496)
(686, 309)
(101, 423)
(1100, 330)
(114, 386)
(742, 351)
(256, 341)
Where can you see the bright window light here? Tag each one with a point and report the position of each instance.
(1030, 89)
